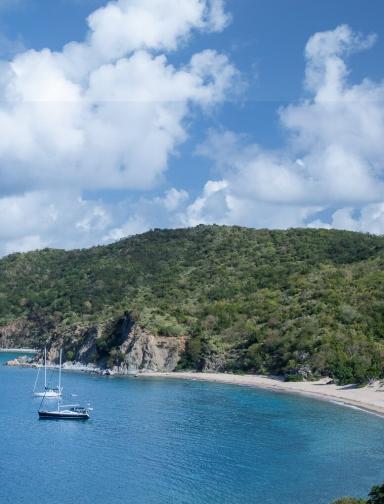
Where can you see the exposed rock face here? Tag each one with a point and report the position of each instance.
(16, 334)
(121, 346)
(144, 351)
(212, 363)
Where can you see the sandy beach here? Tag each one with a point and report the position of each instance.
(369, 398)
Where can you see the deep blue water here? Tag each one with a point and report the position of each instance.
(159, 441)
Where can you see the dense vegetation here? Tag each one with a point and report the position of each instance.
(376, 496)
(300, 302)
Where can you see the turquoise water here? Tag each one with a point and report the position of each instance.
(158, 441)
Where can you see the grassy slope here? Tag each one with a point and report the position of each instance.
(276, 301)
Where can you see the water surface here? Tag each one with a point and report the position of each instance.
(159, 441)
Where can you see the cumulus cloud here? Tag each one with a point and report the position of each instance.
(334, 155)
(147, 213)
(126, 25)
(106, 113)
(86, 116)
(64, 219)
(369, 218)
(51, 218)
(221, 203)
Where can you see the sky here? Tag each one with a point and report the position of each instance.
(123, 116)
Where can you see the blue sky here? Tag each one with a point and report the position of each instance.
(265, 133)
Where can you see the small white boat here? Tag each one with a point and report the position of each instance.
(47, 392)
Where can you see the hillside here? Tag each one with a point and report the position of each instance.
(298, 302)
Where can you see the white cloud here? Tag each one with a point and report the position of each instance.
(220, 203)
(134, 225)
(106, 113)
(51, 219)
(369, 219)
(76, 118)
(23, 244)
(334, 156)
(213, 206)
(62, 218)
(150, 213)
(326, 69)
(173, 199)
(109, 116)
(128, 25)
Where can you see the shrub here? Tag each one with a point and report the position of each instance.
(294, 378)
(70, 355)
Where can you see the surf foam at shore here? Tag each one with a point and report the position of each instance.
(18, 350)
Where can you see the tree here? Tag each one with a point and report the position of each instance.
(376, 495)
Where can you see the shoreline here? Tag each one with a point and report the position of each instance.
(18, 350)
(369, 398)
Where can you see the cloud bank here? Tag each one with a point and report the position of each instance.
(106, 113)
(333, 157)
(109, 113)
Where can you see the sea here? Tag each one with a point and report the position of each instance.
(162, 441)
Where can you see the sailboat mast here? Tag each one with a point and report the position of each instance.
(61, 353)
(45, 367)
(58, 397)
(37, 378)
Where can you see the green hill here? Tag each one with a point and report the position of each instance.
(301, 302)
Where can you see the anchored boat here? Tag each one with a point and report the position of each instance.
(65, 411)
(48, 392)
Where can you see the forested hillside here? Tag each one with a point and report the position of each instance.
(301, 302)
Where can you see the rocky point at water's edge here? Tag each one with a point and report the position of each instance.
(121, 347)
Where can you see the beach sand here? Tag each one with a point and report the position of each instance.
(369, 398)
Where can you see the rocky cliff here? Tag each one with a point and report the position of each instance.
(121, 346)
(15, 334)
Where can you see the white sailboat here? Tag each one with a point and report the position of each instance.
(67, 411)
(48, 392)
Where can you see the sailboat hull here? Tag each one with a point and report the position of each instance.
(47, 395)
(62, 415)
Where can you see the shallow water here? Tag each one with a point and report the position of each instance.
(159, 441)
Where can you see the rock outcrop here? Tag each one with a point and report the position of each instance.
(121, 346)
(144, 351)
(15, 334)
